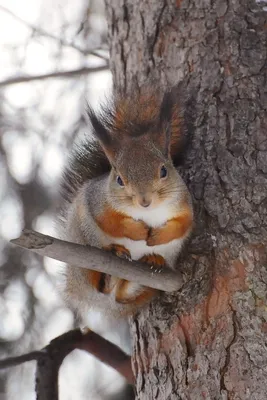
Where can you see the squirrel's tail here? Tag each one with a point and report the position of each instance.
(87, 161)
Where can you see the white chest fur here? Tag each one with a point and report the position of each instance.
(139, 248)
(153, 218)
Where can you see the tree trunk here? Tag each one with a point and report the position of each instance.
(208, 341)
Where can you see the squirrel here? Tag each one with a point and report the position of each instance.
(123, 193)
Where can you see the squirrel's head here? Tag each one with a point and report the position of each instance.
(140, 137)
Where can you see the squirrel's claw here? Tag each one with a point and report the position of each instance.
(155, 260)
(119, 251)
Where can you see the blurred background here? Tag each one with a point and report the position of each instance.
(53, 58)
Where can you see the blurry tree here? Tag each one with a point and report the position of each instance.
(53, 57)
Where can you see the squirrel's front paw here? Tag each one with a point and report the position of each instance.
(154, 237)
(137, 230)
(159, 236)
(119, 251)
(154, 260)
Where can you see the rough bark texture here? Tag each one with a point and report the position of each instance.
(209, 340)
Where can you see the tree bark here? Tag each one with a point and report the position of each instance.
(207, 341)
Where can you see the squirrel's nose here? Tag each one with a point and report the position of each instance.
(144, 201)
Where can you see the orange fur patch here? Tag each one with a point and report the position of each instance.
(119, 120)
(94, 278)
(140, 295)
(110, 283)
(119, 250)
(122, 252)
(120, 225)
(146, 109)
(175, 131)
(103, 283)
(173, 229)
(153, 259)
(145, 296)
(149, 106)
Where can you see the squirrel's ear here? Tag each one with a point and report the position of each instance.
(102, 134)
(170, 122)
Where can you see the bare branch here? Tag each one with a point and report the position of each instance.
(62, 41)
(12, 361)
(89, 341)
(47, 371)
(57, 74)
(51, 357)
(108, 353)
(89, 257)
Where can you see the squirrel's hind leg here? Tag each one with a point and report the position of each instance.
(130, 292)
(105, 283)
(133, 293)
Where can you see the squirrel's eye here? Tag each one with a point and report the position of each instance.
(163, 171)
(120, 181)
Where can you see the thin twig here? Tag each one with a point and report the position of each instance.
(57, 74)
(12, 361)
(47, 370)
(108, 353)
(62, 41)
(50, 358)
(92, 258)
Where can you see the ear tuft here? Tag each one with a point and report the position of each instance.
(166, 107)
(172, 123)
(102, 125)
(100, 131)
